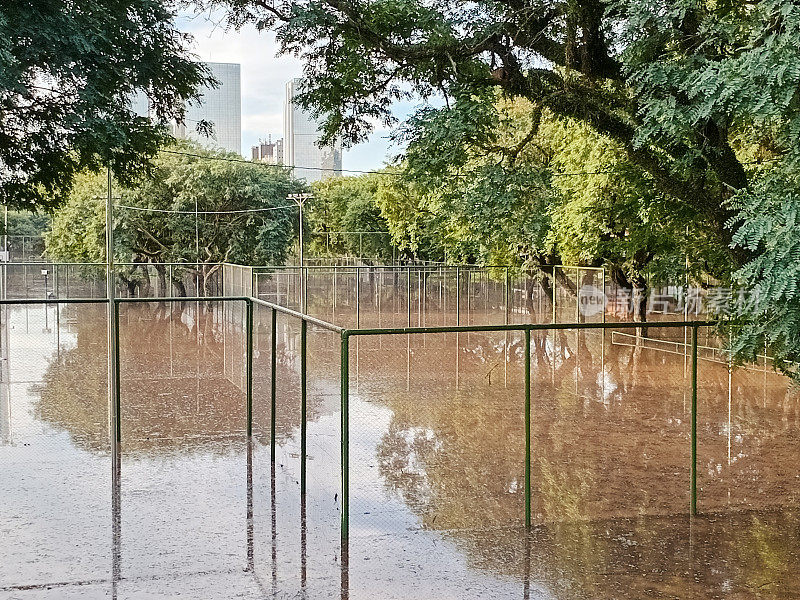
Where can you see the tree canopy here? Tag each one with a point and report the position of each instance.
(695, 105)
(672, 83)
(345, 219)
(243, 215)
(68, 74)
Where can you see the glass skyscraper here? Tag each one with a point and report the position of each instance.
(300, 135)
(220, 106)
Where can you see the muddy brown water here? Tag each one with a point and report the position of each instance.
(437, 465)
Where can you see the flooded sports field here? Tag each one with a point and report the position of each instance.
(191, 508)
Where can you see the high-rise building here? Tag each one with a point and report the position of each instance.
(220, 106)
(268, 152)
(300, 134)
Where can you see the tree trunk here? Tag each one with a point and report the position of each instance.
(144, 285)
(161, 272)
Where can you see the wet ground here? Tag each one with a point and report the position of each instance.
(437, 464)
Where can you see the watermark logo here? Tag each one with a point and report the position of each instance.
(592, 300)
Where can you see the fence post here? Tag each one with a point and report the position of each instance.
(419, 297)
(507, 296)
(117, 414)
(458, 295)
(527, 428)
(408, 294)
(345, 435)
(358, 297)
(273, 374)
(694, 422)
(249, 356)
(303, 406)
(305, 291)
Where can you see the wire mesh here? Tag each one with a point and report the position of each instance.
(436, 439)
(54, 447)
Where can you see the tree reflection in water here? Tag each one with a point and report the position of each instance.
(610, 469)
(610, 445)
(182, 380)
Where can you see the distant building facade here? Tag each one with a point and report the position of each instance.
(300, 135)
(221, 107)
(268, 152)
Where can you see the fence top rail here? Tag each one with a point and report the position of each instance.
(36, 263)
(298, 315)
(185, 299)
(525, 327)
(432, 267)
(104, 300)
(12, 301)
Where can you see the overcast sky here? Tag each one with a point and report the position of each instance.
(264, 76)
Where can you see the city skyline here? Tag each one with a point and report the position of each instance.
(264, 75)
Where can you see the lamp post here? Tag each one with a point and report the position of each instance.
(300, 200)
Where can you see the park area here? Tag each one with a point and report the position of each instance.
(244, 468)
(400, 299)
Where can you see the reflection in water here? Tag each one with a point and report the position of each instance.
(437, 467)
(182, 387)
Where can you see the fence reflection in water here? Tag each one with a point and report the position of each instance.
(295, 340)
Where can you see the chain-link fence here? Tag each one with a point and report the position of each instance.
(53, 280)
(424, 468)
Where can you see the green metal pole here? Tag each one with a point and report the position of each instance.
(273, 375)
(117, 400)
(345, 435)
(358, 297)
(305, 291)
(527, 428)
(694, 421)
(303, 405)
(249, 382)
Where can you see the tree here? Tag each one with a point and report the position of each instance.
(412, 224)
(702, 97)
(672, 83)
(156, 222)
(25, 223)
(68, 73)
(344, 208)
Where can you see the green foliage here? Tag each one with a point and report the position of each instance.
(674, 100)
(26, 223)
(483, 185)
(671, 83)
(67, 74)
(413, 227)
(342, 208)
(181, 183)
(768, 225)
(730, 64)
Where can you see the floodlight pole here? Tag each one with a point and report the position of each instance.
(197, 249)
(113, 321)
(5, 254)
(300, 200)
